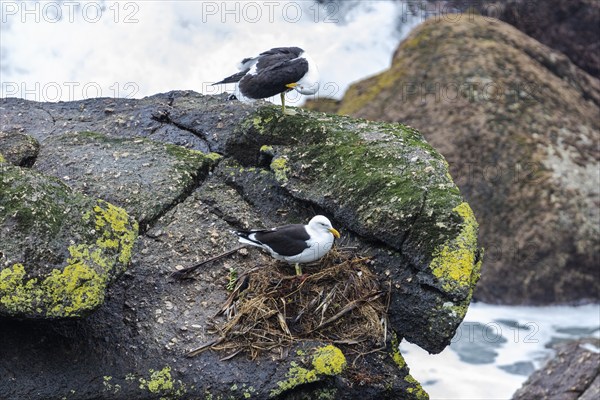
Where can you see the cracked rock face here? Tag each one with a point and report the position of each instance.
(190, 169)
(144, 176)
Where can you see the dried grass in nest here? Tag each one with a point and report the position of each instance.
(269, 310)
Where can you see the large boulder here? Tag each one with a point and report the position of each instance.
(382, 185)
(572, 374)
(60, 249)
(517, 122)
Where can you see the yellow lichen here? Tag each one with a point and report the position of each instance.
(266, 149)
(2, 159)
(16, 295)
(119, 236)
(329, 360)
(396, 356)
(162, 383)
(62, 293)
(454, 263)
(326, 361)
(81, 252)
(280, 168)
(416, 389)
(159, 381)
(77, 287)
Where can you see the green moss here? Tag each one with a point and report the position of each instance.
(30, 201)
(326, 361)
(258, 122)
(280, 167)
(214, 157)
(356, 99)
(2, 159)
(382, 172)
(454, 264)
(326, 394)
(415, 41)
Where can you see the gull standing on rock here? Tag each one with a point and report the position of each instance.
(296, 243)
(276, 71)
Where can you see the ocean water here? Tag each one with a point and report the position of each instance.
(497, 347)
(52, 50)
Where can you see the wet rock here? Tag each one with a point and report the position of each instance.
(517, 132)
(382, 182)
(18, 149)
(144, 176)
(60, 250)
(573, 374)
(383, 186)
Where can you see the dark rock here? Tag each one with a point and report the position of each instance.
(518, 132)
(18, 149)
(386, 189)
(60, 250)
(573, 374)
(569, 26)
(345, 167)
(143, 176)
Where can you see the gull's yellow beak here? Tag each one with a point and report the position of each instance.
(291, 85)
(334, 232)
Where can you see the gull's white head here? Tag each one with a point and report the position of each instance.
(310, 82)
(322, 223)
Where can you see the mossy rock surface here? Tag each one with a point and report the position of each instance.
(387, 185)
(143, 176)
(516, 122)
(18, 149)
(381, 184)
(60, 249)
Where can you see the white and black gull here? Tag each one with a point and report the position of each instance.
(296, 243)
(276, 71)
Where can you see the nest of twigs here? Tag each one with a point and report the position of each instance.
(270, 310)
